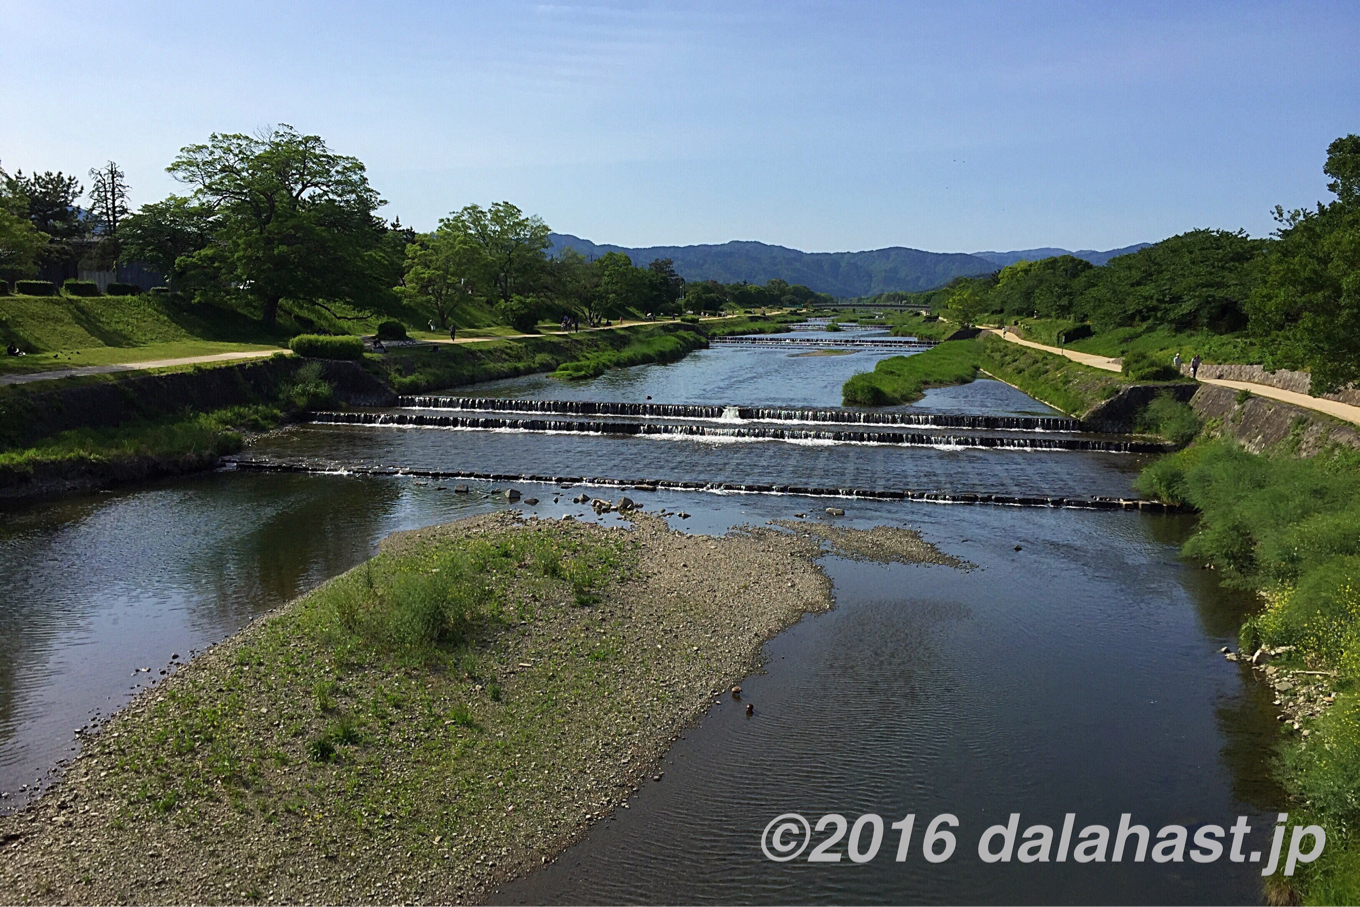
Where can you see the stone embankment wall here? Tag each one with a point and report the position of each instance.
(33, 412)
(1119, 414)
(1259, 423)
(1284, 379)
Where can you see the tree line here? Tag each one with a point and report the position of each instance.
(1298, 291)
(279, 218)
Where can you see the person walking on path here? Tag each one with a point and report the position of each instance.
(1177, 362)
(1194, 366)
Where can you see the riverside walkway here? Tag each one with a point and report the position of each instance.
(1334, 408)
(114, 368)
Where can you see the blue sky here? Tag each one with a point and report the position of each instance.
(945, 126)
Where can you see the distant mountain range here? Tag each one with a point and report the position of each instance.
(844, 274)
(1001, 259)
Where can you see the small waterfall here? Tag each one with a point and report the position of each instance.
(931, 497)
(759, 433)
(746, 413)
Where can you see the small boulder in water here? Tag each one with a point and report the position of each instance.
(531, 501)
(512, 495)
(460, 489)
(835, 511)
(625, 503)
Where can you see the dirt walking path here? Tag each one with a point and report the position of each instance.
(1334, 408)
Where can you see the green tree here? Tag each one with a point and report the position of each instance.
(1307, 308)
(52, 207)
(665, 288)
(20, 241)
(705, 297)
(439, 266)
(166, 235)
(621, 286)
(291, 218)
(511, 246)
(965, 305)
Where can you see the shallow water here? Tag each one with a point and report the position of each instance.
(1079, 673)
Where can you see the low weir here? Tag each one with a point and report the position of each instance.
(565, 482)
(882, 343)
(635, 428)
(744, 413)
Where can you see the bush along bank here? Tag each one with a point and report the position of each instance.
(1289, 529)
(432, 722)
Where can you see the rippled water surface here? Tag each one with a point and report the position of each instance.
(1073, 669)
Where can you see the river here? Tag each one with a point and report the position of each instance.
(1073, 668)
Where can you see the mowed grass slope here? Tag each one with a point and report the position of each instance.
(64, 332)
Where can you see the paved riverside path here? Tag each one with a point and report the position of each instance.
(56, 373)
(1335, 408)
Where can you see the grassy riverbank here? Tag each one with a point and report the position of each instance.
(1290, 529)
(1056, 380)
(449, 715)
(95, 458)
(901, 379)
(157, 438)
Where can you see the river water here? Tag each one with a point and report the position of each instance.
(1074, 668)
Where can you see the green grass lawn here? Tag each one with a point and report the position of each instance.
(1158, 341)
(112, 355)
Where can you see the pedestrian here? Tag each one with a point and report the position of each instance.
(1177, 362)
(431, 325)
(1194, 367)
(453, 332)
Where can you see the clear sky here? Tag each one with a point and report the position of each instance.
(949, 126)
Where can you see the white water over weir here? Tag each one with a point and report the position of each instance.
(636, 428)
(881, 343)
(745, 413)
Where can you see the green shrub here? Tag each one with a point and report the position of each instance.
(690, 319)
(35, 288)
(305, 389)
(123, 289)
(520, 312)
(391, 329)
(81, 288)
(1143, 367)
(322, 346)
(1170, 418)
(159, 291)
(833, 328)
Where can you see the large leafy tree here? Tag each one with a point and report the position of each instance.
(20, 241)
(167, 235)
(510, 246)
(1307, 308)
(291, 219)
(440, 269)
